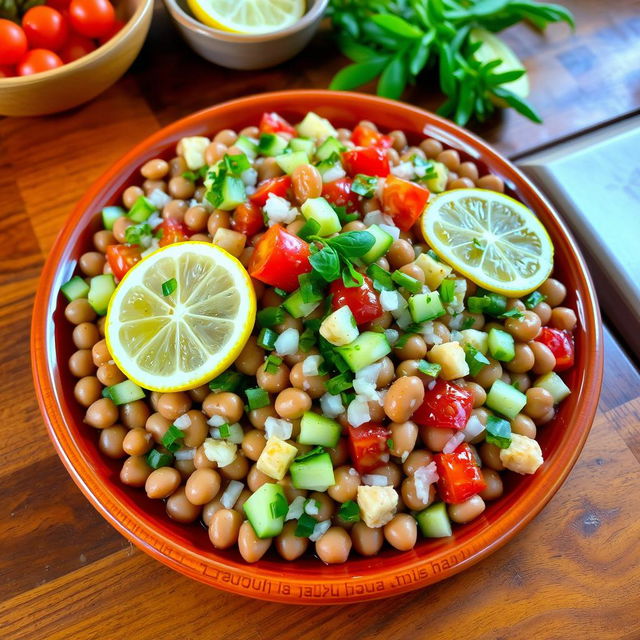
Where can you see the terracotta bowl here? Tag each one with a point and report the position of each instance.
(187, 548)
(85, 78)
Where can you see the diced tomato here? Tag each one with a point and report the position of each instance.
(459, 475)
(446, 406)
(363, 301)
(368, 446)
(278, 186)
(271, 122)
(279, 258)
(247, 219)
(368, 137)
(371, 161)
(404, 201)
(173, 231)
(122, 257)
(339, 192)
(560, 342)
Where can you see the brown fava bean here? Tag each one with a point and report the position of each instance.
(315, 386)
(494, 487)
(325, 504)
(306, 182)
(226, 137)
(340, 453)
(250, 358)
(488, 374)
(490, 456)
(110, 441)
(450, 158)
(250, 546)
(173, 405)
(523, 425)
(401, 532)
(137, 442)
(400, 253)
(200, 460)
(102, 239)
(416, 459)
(134, 415)
(257, 417)
(109, 374)
(434, 437)
(563, 318)
(413, 271)
(466, 511)
(174, 210)
(414, 348)
(135, 471)
(554, 291)
(520, 381)
(87, 390)
(292, 403)
(185, 467)
(290, 491)
(197, 431)
(543, 311)
(199, 393)
(214, 152)
(288, 545)
(523, 359)
(157, 425)
(180, 509)
(255, 478)
(544, 360)
(180, 187)
(468, 170)
(366, 540)
(79, 311)
(209, 510)
(162, 482)
(334, 546)
(403, 437)
(461, 183)
(346, 485)
(405, 395)
(410, 495)
(130, 195)
(91, 263)
(431, 147)
(80, 364)
(525, 328)
(491, 182)
(202, 486)
(120, 226)
(100, 353)
(225, 404)
(539, 402)
(101, 414)
(391, 471)
(218, 219)
(196, 218)
(386, 373)
(155, 169)
(253, 444)
(237, 470)
(224, 528)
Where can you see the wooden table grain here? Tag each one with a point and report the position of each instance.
(574, 572)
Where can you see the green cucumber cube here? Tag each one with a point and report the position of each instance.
(330, 146)
(434, 521)
(319, 430)
(110, 215)
(271, 144)
(501, 345)
(425, 306)
(314, 473)
(296, 308)
(100, 291)
(303, 144)
(321, 211)
(123, 392)
(438, 183)
(75, 288)
(289, 161)
(366, 349)
(249, 148)
(233, 193)
(265, 510)
(383, 241)
(505, 399)
(313, 126)
(555, 385)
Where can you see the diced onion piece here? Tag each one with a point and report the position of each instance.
(279, 210)
(375, 480)
(474, 428)
(220, 451)
(296, 508)
(331, 405)
(287, 342)
(216, 421)
(452, 443)
(278, 427)
(423, 478)
(377, 217)
(231, 494)
(430, 337)
(155, 219)
(391, 229)
(183, 422)
(236, 434)
(311, 507)
(319, 530)
(358, 411)
(392, 336)
(334, 173)
(249, 177)
(310, 365)
(366, 389)
(369, 373)
(185, 454)
(404, 170)
(391, 301)
(159, 198)
(404, 319)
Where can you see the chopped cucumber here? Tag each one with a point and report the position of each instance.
(383, 241)
(555, 385)
(289, 161)
(303, 144)
(426, 306)
(434, 521)
(110, 215)
(330, 146)
(233, 193)
(75, 288)
(501, 345)
(265, 510)
(249, 148)
(271, 144)
(142, 208)
(317, 429)
(366, 349)
(296, 308)
(100, 292)
(505, 399)
(320, 210)
(124, 392)
(438, 183)
(313, 126)
(314, 473)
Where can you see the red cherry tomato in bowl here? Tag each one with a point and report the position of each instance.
(339, 192)
(45, 28)
(13, 43)
(37, 61)
(561, 345)
(271, 122)
(368, 446)
(363, 136)
(247, 219)
(7, 71)
(92, 18)
(76, 47)
(404, 201)
(363, 301)
(117, 26)
(445, 406)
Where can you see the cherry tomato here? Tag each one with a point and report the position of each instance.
(279, 258)
(274, 123)
(122, 257)
(173, 231)
(7, 71)
(561, 345)
(277, 186)
(404, 201)
(92, 18)
(13, 42)
(60, 5)
(368, 137)
(77, 46)
(45, 28)
(371, 161)
(247, 219)
(459, 475)
(37, 61)
(368, 446)
(446, 406)
(117, 26)
(339, 192)
(363, 301)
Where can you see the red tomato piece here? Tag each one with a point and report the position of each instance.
(368, 446)
(446, 406)
(37, 61)
(45, 28)
(13, 43)
(560, 342)
(279, 258)
(122, 257)
(278, 186)
(92, 18)
(363, 301)
(371, 161)
(76, 47)
(115, 28)
(173, 231)
(459, 475)
(271, 122)
(404, 201)
(338, 192)
(7, 71)
(368, 137)
(60, 5)
(247, 219)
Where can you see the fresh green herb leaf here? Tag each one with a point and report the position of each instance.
(475, 359)
(272, 363)
(307, 340)
(349, 511)
(138, 234)
(498, 432)
(224, 430)
(326, 263)
(364, 185)
(155, 459)
(169, 286)
(316, 451)
(305, 526)
(390, 443)
(382, 279)
(281, 292)
(534, 299)
(311, 287)
(257, 398)
(447, 291)
(236, 164)
(512, 313)
(309, 229)
(468, 323)
(410, 284)
(267, 339)
(279, 507)
(230, 380)
(352, 244)
(171, 437)
(429, 368)
(343, 216)
(350, 277)
(269, 317)
(340, 383)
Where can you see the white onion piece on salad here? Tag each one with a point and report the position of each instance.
(185, 454)
(159, 198)
(231, 494)
(452, 443)
(423, 478)
(377, 217)
(216, 421)
(311, 364)
(287, 342)
(319, 530)
(331, 405)
(358, 411)
(474, 428)
(278, 427)
(375, 480)
(296, 508)
(392, 230)
(183, 422)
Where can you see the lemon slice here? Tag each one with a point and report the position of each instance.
(248, 16)
(184, 339)
(490, 238)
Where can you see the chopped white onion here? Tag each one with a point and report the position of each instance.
(220, 451)
(278, 427)
(366, 389)
(377, 217)
(159, 198)
(319, 530)
(185, 454)
(155, 220)
(391, 300)
(352, 472)
(296, 508)
(457, 336)
(404, 170)
(311, 507)
(331, 405)
(423, 478)
(249, 190)
(334, 173)
(452, 443)
(183, 422)
(236, 434)
(474, 428)
(369, 373)
(231, 494)
(392, 336)
(404, 319)
(392, 230)
(249, 177)
(430, 337)
(375, 480)
(358, 411)
(216, 421)
(287, 342)
(279, 210)
(456, 321)
(310, 365)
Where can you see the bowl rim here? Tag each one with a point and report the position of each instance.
(189, 22)
(131, 25)
(280, 586)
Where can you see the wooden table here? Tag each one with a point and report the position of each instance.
(573, 573)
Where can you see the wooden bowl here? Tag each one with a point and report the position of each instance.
(83, 79)
(187, 548)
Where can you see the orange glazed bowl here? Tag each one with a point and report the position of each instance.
(186, 548)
